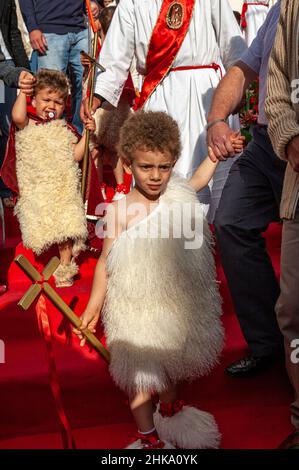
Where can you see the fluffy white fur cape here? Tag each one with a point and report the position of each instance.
(50, 208)
(162, 309)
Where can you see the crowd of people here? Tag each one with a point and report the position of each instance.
(164, 110)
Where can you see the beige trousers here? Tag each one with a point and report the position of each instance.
(287, 307)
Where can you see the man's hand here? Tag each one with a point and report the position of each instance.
(293, 153)
(26, 83)
(85, 112)
(219, 142)
(38, 41)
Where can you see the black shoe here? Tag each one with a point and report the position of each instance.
(249, 365)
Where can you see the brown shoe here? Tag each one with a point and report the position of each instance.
(291, 442)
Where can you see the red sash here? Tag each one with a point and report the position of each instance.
(244, 11)
(167, 37)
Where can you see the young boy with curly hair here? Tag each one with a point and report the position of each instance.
(50, 207)
(155, 283)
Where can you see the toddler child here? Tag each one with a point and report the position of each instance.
(50, 207)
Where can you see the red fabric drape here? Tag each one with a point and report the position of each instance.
(164, 46)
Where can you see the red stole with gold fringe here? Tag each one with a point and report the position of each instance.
(167, 37)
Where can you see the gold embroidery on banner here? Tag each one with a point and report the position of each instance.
(175, 15)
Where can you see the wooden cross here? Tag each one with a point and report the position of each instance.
(41, 284)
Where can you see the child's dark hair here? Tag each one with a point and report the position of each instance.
(105, 18)
(52, 79)
(149, 130)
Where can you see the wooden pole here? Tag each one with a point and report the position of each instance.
(91, 88)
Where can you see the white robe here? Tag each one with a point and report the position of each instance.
(162, 316)
(255, 17)
(185, 95)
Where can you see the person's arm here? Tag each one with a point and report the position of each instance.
(283, 120)
(28, 12)
(95, 304)
(10, 74)
(18, 50)
(37, 39)
(207, 168)
(26, 82)
(19, 111)
(226, 98)
(203, 174)
(79, 148)
(231, 89)
(116, 57)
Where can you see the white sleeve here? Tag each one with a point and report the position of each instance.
(117, 53)
(228, 34)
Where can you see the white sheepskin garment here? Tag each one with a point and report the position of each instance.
(50, 207)
(162, 310)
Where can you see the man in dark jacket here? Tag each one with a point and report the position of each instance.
(13, 60)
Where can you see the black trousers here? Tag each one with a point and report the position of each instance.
(249, 203)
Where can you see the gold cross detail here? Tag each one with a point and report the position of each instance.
(41, 284)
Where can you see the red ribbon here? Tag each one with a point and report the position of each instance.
(45, 331)
(90, 17)
(170, 409)
(163, 48)
(244, 11)
(150, 441)
(195, 67)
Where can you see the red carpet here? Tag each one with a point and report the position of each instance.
(251, 413)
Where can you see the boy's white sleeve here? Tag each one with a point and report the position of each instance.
(117, 53)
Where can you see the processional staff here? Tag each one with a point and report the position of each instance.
(91, 84)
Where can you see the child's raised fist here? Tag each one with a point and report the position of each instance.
(26, 82)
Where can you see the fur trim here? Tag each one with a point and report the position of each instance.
(50, 208)
(65, 273)
(190, 428)
(162, 309)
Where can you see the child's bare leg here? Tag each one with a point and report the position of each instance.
(65, 251)
(67, 269)
(142, 410)
(96, 156)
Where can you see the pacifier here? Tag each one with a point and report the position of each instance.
(51, 115)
